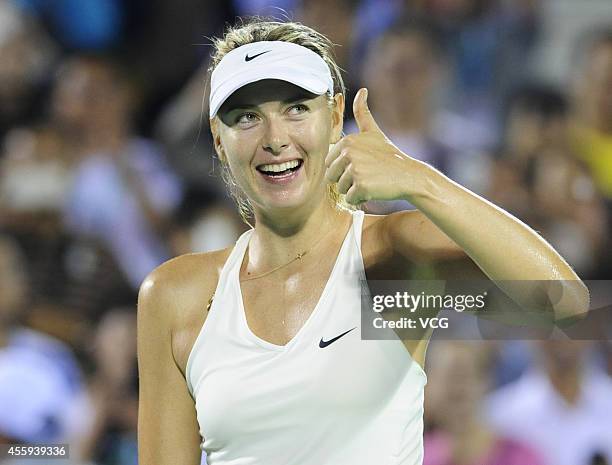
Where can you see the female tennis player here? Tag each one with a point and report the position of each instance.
(273, 370)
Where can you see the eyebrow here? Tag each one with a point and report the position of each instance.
(294, 98)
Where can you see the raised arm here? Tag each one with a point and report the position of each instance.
(368, 166)
(167, 424)
(452, 220)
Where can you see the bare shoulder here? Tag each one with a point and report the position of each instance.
(171, 305)
(183, 272)
(176, 295)
(167, 288)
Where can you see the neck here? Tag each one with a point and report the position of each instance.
(397, 119)
(278, 238)
(566, 383)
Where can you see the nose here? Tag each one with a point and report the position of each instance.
(276, 137)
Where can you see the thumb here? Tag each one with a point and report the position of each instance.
(363, 117)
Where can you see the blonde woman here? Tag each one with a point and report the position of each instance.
(273, 370)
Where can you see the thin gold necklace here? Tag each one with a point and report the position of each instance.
(299, 256)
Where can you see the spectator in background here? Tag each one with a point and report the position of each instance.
(592, 131)
(73, 278)
(165, 43)
(404, 57)
(113, 388)
(183, 130)
(41, 391)
(563, 23)
(407, 57)
(27, 55)
(35, 176)
(538, 178)
(487, 43)
(593, 108)
(13, 288)
(490, 43)
(205, 222)
(458, 380)
(123, 191)
(561, 406)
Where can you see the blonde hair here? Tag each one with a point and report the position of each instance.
(258, 29)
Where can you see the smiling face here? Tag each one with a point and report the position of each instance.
(274, 136)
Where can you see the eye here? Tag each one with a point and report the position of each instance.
(298, 109)
(247, 118)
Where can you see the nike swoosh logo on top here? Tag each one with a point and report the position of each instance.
(248, 58)
(323, 343)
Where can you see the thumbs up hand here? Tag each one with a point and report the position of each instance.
(367, 165)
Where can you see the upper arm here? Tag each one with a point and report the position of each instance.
(415, 237)
(167, 422)
(416, 240)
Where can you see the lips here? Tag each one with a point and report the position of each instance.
(277, 168)
(278, 165)
(280, 173)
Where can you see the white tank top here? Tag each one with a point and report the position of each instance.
(350, 402)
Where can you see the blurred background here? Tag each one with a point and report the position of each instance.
(107, 170)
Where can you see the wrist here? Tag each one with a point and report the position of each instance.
(422, 183)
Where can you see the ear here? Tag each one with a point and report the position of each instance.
(337, 118)
(214, 129)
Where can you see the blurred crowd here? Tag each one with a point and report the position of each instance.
(107, 170)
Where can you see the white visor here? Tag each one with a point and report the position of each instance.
(268, 60)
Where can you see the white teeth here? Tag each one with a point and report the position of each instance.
(277, 168)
